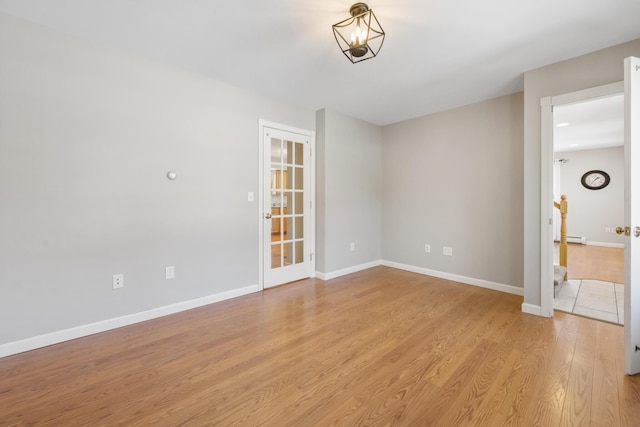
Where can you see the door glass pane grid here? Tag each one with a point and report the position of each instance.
(293, 153)
(287, 253)
(290, 147)
(287, 203)
(298, 203)
(299, 252)
(277, 184)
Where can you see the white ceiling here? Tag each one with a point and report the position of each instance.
(437, 54)
(597, 123)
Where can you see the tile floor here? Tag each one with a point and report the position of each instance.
(592, 298)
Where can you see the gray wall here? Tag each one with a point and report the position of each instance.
(348, 191)
(455, 179)
(592, 211)
(583, 72)
(87, 135)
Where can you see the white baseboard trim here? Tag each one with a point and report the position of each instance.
(456, 278)
(349, 270)
(27, 344)
(536, 310)
(606, 245)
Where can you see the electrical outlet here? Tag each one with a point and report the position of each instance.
(250, 197)
(353, 246)
(427, 248)
(170, 272)
(447, 250)
(118, 281)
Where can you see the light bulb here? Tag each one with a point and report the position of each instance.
(363, 36)
(358, 47)
(359, 36)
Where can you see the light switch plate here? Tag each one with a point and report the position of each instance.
(170, 272)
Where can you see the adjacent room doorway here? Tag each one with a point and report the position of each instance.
(631, 89)
(287, 226)
(589, 135)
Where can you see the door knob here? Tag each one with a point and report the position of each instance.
(624, 230)
(637, 231)
(268, 216)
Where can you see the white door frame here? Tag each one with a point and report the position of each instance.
(631, 216)
(546, 181)
(310, 235)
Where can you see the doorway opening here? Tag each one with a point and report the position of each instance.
(588, 141)
(548, 105)
(286, 217)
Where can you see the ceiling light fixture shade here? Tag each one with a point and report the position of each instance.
(360, 37)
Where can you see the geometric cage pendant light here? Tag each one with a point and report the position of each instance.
(360, 37)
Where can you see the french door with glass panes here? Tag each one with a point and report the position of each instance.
(286, 205)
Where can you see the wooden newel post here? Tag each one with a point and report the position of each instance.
(562, 206)
(563, 233)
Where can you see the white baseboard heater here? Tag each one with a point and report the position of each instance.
(577, 239)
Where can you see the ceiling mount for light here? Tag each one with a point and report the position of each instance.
(360, 37)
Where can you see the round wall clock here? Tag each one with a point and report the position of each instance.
(595, 180)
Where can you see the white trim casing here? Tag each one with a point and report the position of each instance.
(546, 183)
(605, 244)
(546, 208)
(532, 309)
(27, 344)
(45, 340)
(427, 272)
(310, 235)
(349, 270)
(457, 278)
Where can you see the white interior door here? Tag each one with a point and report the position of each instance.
(632, 215)
(286, 202)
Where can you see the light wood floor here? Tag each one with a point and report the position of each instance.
(379, 347)
(594, 262)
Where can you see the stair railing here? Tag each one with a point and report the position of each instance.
(562, 206)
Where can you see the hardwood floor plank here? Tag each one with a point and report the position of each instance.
(593, 262)
(471, 399)
(521, 385)
(605, 410)
(378, 347)
(578, 400)
(554, 382)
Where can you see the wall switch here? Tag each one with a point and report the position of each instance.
(118, 281)
(170, 272)
(353, 247)
(250, 197)
(447, 250)
(427, 248)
